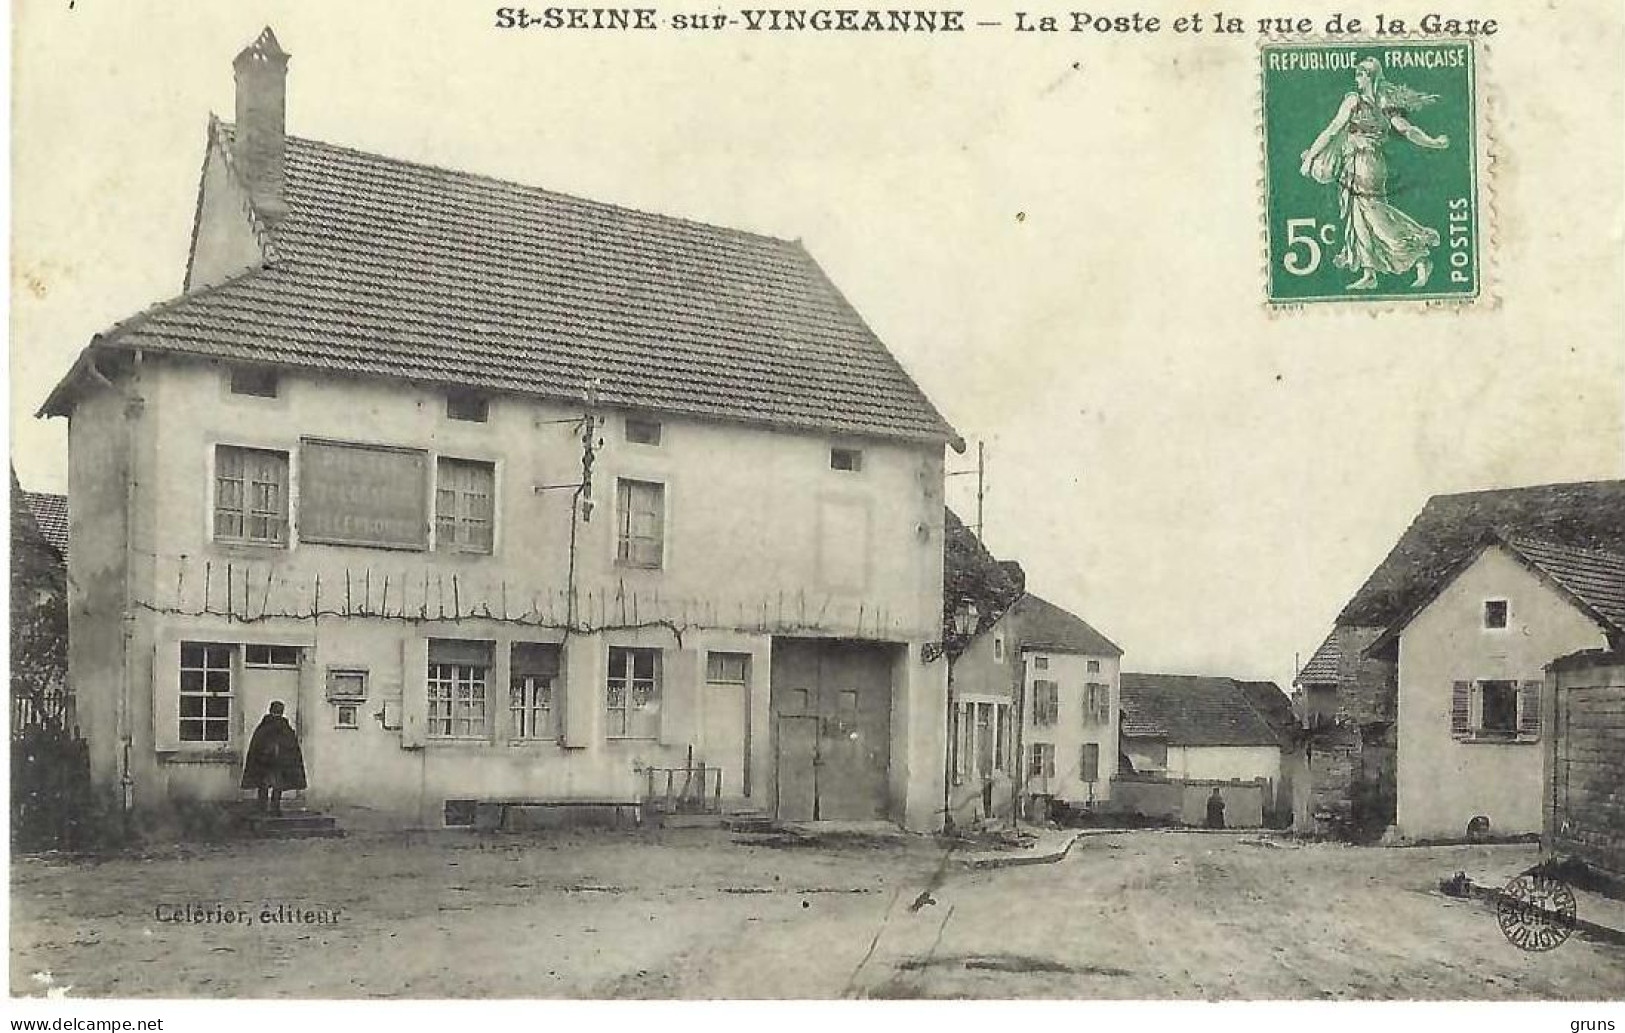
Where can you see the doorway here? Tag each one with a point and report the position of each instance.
(831, 705)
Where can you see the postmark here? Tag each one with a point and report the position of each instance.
(1371, 185)
(1536, 912)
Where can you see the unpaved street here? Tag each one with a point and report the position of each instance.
(704, 914)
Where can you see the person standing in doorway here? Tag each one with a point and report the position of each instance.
(1215, 810)
(274, 763)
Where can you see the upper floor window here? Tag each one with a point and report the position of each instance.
(259, 381)
(1041, 663)
(463, 505)
(467, 406)
(632, 697)
(640, 539)
(642, 432)
(1046, 702)
(1093, 666)
(998, 649)
(1495, 614)
(849, 459)
(459, 677)
(1097, 703)
(250, 495)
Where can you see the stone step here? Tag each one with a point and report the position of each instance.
(294, 826)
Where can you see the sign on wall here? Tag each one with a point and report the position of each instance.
(370, 495)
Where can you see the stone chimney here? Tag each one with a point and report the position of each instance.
(262, 87)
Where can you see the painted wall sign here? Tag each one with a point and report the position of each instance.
(367, 495)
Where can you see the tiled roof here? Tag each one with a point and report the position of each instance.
(1190, 710)
(1322, 666)
(1594, 577)
(50, 513)
(387, 268)
(1450, 528)
(1041, 624)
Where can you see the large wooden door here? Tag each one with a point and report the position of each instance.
(838, 695)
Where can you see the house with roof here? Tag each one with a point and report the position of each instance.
(1472, 654)
(508, 496)
(1206, 731)
(1033, 700)
(40, 696)
(1350, 692)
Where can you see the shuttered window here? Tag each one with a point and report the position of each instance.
(1046, 702)
(1089, 762)
(1529, 709)
(1043, 760)
(1495, 709)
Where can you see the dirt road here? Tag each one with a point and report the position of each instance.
(696, 914)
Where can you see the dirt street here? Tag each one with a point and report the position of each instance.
(700, 913)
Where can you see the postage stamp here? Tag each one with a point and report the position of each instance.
(1371, 171)
(1536, 912)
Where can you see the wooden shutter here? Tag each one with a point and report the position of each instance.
(165, 684)
(679, 671)
(1529, 708)
(1461, 703)
(414, 691)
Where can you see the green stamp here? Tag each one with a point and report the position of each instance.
(1371, 171)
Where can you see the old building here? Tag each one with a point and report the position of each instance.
(1471, 657)
(1034, 698)
(1189, 732)
(507, 495)
(1349, 692)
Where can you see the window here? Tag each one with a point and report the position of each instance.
(250, 495)
(633, 696)
(259, 381)
(641, 530)
(1093, 666)
(467, 406)
(1046, 702)
(1495, 614)
(463, 505)
(847, 459)
(271, 656)
(1089, 762)
(642, 432)
(1496, 710)
(727, 668)
(345, 715)
(205, 712)
(998, 649)
(458, 675)
(1042, 764)
(1041, 663)
(346, 683)
(533, 701)
(1097, 704)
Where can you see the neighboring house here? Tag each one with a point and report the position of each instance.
(507, 495)
(1034, 701)
(40, 698)
(1585, 760)
(1349, 693)
(1472, 655)
(1190, 728)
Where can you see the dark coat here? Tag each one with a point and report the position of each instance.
(274, 760)
(1215, 812)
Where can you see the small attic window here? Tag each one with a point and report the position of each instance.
(1495, 614)
(848, 459)
(467, 406)
(259, 381)
(642, 432)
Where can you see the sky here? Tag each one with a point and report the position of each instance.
(1058, 235)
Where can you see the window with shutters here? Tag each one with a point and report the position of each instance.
(1089, 762)
(632, 694)
(978, 740)
(1097, 703)
(464, 505)
(1495, 710)
(1046, 701)
(458, 683)
(1042, 762)
(250, 496)
(640, 539)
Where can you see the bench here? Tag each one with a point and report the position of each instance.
(492, 815)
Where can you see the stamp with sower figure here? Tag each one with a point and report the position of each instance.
(1371, 171)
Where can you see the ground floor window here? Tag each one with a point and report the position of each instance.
(1089, 762)
(632, 693)
(980, 737)
(1042, 761)
(459, 672)
(206, 676)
